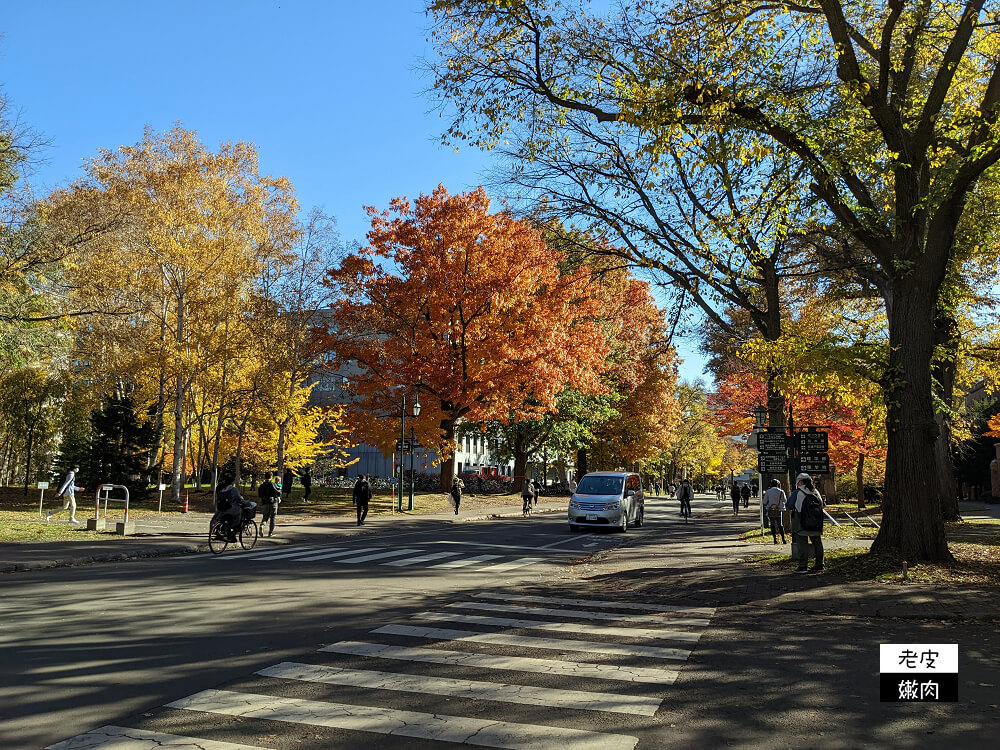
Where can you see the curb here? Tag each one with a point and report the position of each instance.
(142, 552)
(493, 516)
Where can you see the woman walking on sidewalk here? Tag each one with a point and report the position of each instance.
(809, 512)
(67, 491)
(774, 501)
(734, 493)
(456, 493)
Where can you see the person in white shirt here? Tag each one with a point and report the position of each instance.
(67, 491)
(774, 501)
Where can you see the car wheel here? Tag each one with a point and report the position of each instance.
(624, 526)
(639, 518)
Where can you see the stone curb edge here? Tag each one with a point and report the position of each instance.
(142, 552)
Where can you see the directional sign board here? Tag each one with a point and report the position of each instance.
(770, 463)
(811, 442)
(771, 442)
(403, 445)
(818, 463)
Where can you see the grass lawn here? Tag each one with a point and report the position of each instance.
(974, 544)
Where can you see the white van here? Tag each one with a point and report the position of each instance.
(607, 499)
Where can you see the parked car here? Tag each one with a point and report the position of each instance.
(607, 499)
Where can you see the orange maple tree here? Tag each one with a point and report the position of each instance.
(851, 436)
(466, 309)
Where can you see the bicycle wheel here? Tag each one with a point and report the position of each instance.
(218, 540)
(248, 535)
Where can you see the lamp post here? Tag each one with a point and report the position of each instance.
(416, 413)
(760, 420)
(402, 445)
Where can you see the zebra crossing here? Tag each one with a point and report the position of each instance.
(397, 557)
(491, 686)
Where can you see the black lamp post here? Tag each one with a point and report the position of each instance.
(416, 413)
(760, 416)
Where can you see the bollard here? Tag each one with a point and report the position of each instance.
(184, 507)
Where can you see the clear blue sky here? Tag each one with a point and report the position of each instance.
(330, 91)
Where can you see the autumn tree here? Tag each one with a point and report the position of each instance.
(466, 309)
(194, 230)
(891, 110)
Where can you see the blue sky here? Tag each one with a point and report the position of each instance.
(331, 92)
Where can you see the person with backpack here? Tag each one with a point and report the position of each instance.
(808, 510)
(774, 500)
(734, 493)
(745, 494)
(685, 494)
(270, 496)
(527, 492)
(456, 493)
(362, 495)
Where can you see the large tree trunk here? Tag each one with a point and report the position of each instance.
(447, 465)
(947, 335)
(581, 463)
(911, 523)
(177, 475)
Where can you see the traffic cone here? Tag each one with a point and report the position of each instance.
(184, 508)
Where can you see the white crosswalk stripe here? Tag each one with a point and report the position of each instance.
(341, 553)
(527, 641)
(512, 565)
(685, 636)
(279, 552)
(121, 738)
(510, 663)
(466, 561)
(582, 614)
(437, 727)
(603, 666)
(476, 689)
(421, 559)
(375, 556)
(705, 611)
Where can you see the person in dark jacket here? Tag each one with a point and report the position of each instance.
(286, 483)
(456, 493)
(734, 493)
(229, 504)
(270, 496)
(307, 484)
(362, 495)
(745, 494)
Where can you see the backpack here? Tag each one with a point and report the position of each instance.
(812, 513)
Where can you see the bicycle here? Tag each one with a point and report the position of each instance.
(221, 535)
(526, 505)
(686, 509)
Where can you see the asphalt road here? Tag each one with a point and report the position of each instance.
(425, 634)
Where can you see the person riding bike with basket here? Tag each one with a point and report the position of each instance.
(232, 510)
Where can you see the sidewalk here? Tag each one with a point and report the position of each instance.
(704, 561)
(177, 534)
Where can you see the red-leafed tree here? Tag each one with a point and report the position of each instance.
(467, 309)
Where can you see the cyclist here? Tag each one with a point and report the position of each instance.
(527, 494)
(230, 506)
(685, 494)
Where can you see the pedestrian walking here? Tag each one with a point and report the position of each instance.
(774, 500)
(67, 491)
(685, 494)
(572, 486)
(745, 494)
(657, 486)
(808, 510)
(286, 483)
(535, 487)
(362, 495)
(270, 497)
(456, 493)
(734, 493)
(307, 484)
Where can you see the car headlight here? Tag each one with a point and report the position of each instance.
(574, 503)
(613, 506)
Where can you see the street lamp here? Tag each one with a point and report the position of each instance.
(416, 413)
(760, 416)
(402, 443)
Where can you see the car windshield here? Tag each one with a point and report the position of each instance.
(600, 486)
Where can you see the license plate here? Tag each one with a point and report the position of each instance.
(591, 516)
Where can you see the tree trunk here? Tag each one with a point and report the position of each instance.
(177, 475)
(448, 465)
(911, 521)
(947, 335)
(581, 464)
(520, 465)
(282, 430)
(860, 476)
(27, 467)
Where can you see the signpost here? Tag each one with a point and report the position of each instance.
(811, 442)
(404, 446)
(771, 463)
(42, 486)
(772, 442)
(816, 463)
